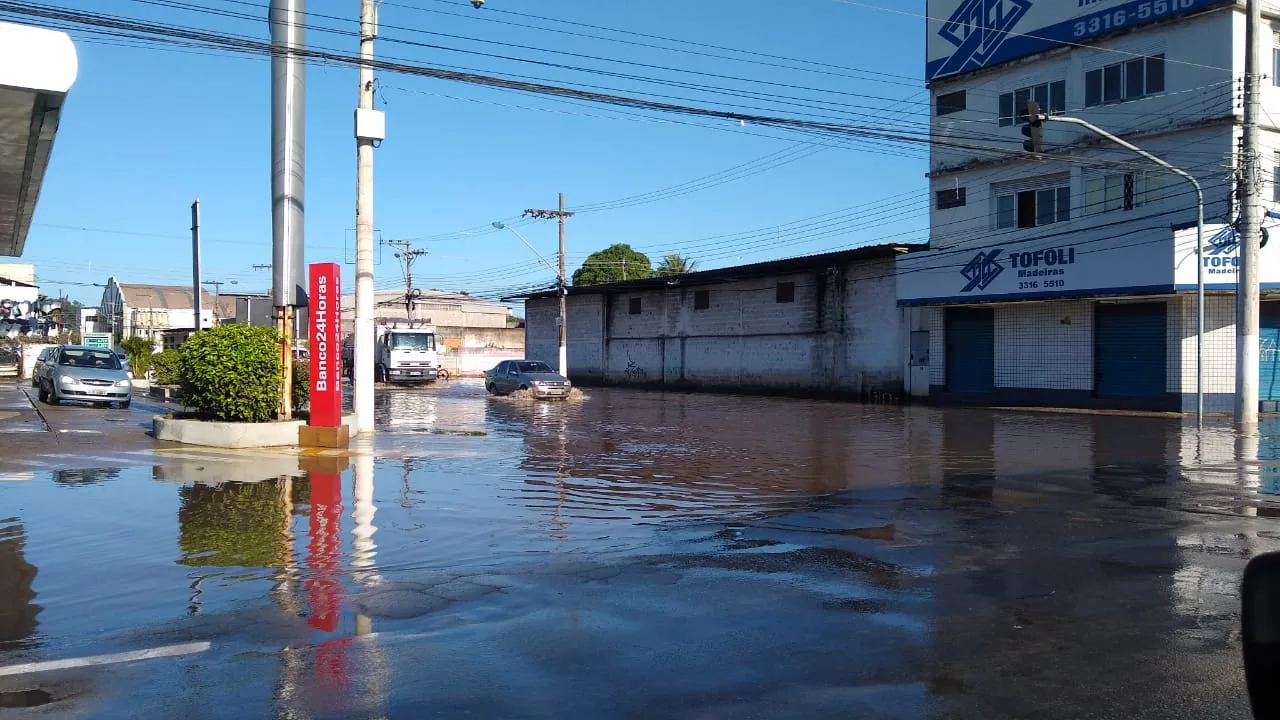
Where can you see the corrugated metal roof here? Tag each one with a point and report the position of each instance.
(710, 277)
(168, 297)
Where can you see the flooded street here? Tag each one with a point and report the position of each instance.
(641, 555)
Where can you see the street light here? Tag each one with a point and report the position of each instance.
(1199, 242)
(561, 291)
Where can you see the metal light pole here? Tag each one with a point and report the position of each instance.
(560, 288)
(1248, 349)
(287, 19)
(1199, 243)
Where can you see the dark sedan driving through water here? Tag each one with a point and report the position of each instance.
(533, 376)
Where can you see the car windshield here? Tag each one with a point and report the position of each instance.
(534, 367)
(413, 341)
(97, 359)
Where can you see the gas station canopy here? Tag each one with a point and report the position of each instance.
(37, 68)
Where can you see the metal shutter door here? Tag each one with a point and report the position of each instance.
(1130, 350)
(1269, 352)
(971, 350)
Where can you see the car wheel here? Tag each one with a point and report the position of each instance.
(380, 374)
(125, 405)
(53, 395)
(491, 389)
(43, 394)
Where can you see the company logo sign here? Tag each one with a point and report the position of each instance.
(982, 270)
(978, 28)
(968, 35)
(988, 265)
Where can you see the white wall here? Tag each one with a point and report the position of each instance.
(843, 332)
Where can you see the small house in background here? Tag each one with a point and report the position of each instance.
(165, 314)
(818, 324)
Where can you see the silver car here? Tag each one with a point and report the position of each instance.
(536, 377)
(87, 374)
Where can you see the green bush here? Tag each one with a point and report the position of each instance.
(301, 384)
(164, 367)
(138, 350)
(232, 372)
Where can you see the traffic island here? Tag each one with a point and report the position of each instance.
(238, 435)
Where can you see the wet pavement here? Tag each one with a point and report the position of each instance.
(639, 555)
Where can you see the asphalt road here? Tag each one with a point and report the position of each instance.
(642, 555)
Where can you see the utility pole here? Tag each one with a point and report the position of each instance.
(370, 128)
(195, 262)
(562, 287)
(407, 254)
(1247, 294)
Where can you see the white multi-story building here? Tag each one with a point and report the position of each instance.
(1070, 279)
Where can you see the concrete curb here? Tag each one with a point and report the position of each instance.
(231, 435)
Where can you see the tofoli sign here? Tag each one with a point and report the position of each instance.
(967, 35)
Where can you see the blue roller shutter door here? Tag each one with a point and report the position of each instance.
(971, 350)
(1269, 352)
(1130, 350)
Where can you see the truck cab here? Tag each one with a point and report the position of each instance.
(406, 354)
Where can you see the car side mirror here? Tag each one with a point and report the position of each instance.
(1260, 633)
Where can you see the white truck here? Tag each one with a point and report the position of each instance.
(405, 353)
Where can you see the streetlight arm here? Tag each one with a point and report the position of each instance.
(1128, 146)
(1199, 243)
(535, 252)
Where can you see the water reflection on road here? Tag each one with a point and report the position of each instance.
(659, 555)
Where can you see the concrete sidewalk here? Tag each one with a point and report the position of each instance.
(17, 413)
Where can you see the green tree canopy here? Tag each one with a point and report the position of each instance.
(676, 265)
(616, 262)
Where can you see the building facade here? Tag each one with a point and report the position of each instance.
(473, 334)
(1068, 278)
(824, 324)
(163, 314)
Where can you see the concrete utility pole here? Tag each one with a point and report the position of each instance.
(287, 19)
(195, 262)
(562, 286)
(1247, 294)
(370, 128)
(407, 254)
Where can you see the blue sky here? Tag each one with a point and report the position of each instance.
(147, 130)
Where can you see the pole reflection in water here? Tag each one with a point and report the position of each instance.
(363, 548)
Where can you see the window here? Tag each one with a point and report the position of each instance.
(1275, 59)
(786, 292)
(1275, 179)
(1051, 97)
(701, 299)
(952, 103)
(1127, 80)
(953, 198)
(1033, 208)
(633, 307)
(1122, 191)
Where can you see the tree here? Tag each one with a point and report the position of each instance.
(616, 262)
(676, 265)
(138, 350)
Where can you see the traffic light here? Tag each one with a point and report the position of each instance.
(1033, 130)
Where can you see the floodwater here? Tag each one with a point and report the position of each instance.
(641, 555)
